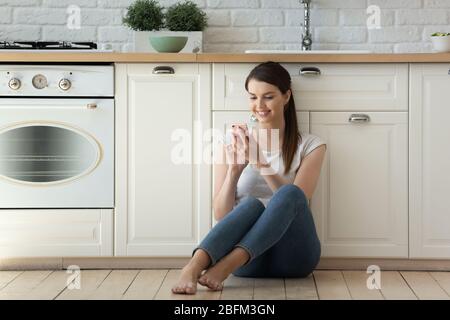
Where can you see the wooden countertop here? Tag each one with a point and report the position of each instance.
(218, 57)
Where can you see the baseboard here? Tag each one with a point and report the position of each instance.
(383, 264)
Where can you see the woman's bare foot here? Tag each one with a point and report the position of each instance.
(187, 283)
(214, 276)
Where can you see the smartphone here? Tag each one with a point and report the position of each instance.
(228, 134)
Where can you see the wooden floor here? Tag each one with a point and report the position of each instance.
(156, 284)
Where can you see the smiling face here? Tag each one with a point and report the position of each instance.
(267, 102)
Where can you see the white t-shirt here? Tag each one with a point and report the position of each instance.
(251, 182)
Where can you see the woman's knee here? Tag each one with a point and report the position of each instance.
(292, 192)
(252, 202)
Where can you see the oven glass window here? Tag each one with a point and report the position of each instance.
(46, 153)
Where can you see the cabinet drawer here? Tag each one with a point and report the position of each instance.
(60, 233)
(316, 87)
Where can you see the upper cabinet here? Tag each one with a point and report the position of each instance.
(429, 169)
(162, 180)
(317, 87)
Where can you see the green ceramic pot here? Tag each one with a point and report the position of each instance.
(168, 43)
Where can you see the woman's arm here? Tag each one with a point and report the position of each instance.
(226, 177)
(307, 175)
(309, 171)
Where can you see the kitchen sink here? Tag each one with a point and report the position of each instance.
(309, 51)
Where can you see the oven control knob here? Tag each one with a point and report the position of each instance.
(14, 84)
(65, 84)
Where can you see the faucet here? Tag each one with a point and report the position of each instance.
(306, 36)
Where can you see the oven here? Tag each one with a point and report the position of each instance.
(56, 136)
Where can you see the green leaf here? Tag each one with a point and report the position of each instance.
(144, 15)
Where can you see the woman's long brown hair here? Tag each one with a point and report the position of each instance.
(275, 74)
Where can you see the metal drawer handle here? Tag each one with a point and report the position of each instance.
(91, 106)
(305, 71)
(163, 70)
(359, 118)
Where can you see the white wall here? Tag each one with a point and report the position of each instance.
(236, 25)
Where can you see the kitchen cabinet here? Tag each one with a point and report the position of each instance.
(56, 233)
(382, 192)
(360, 205)
(429, 201)
(162, 183)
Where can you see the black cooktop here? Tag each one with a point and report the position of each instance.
(47, 45)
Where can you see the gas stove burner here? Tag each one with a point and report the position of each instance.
(67, 45)
(47, 45)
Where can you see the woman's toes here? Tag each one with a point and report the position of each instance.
(175, 289)
(203, 280)
(213, 285)
(190, 288)
(217, 286)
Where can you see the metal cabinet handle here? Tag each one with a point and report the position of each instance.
(359, 118)
(163, 70)
(91, 106)
(305, 71)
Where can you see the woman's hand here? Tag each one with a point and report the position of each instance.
(235, 154)
(246, 146)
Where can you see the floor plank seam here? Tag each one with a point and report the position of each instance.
(128, 287)
(63, 289)
(161, 284)
(100, 284)
(40, 282)
(315, 286)
(409, 286)
(346, 285)
(438, 283)
(19, 274)
(253, 289)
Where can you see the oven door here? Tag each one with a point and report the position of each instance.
(56, 153)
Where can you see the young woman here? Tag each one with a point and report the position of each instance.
(265, 227)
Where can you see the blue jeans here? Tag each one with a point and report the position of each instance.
(281, 239)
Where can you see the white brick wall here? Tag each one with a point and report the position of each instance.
(236, 25)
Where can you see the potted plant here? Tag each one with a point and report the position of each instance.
(179, 28)
(441, 41)
(187, 19)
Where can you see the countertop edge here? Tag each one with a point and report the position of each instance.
(112, 57)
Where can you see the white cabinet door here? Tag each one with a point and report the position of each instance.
(163, 186)
(360, 205)
(430, 161)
